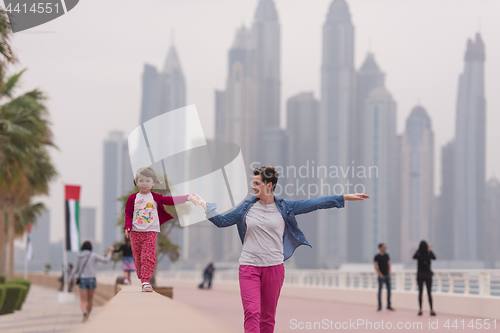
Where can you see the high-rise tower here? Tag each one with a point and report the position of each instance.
(380, 141)
(369, 77)
(267, 78)
(470, 156)
(337, 103)
(417, 181)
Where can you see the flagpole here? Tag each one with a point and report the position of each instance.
(26, 259)
(65, 270)
(71, 193)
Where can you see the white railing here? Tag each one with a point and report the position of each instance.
(468, 282)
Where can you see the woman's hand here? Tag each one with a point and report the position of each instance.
(197, 200)
(355, 197)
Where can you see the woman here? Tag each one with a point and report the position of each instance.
(270, 234)
(85, 271)
(424, 255)
(127, 259)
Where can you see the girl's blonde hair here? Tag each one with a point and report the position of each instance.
(147, 172)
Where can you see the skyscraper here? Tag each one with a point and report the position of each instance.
(235, 116)
(117, 181)
(492, 227)
(337, 103)
(267, 77)
(417, 181)
(380, 141)
(150, 101)
(87, 225)
(275, 143)
(470, 156)
(40, 238)
(302, 111)
(369, 77)
(163, 92)
(443, 229)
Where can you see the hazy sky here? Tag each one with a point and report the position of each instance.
(90, 63)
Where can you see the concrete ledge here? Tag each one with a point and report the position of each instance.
(134, 311)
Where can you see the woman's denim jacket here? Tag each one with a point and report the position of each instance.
(293, 236)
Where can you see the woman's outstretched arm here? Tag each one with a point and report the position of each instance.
(332, 201)
(219, 220)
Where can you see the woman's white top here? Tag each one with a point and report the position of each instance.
(263, 244)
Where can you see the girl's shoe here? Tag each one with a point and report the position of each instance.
(126, 281)
(146, 287)
(433, 313)
(420, 312)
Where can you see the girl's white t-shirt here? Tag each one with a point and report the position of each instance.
(145, 213)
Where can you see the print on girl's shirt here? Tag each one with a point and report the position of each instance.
(144, 213)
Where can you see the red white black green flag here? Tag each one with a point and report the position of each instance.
(72, 218)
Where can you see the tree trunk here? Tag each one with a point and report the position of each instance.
(3, 244)
(10, 238)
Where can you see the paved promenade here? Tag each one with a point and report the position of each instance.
(225, 307)
(42, 313)
(219, 310)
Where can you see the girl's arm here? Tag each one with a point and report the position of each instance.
(433, 256)
(76, 268)
(176, 200)
(129, 212)
(106, 259)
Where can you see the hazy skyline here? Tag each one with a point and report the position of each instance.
(91, 65)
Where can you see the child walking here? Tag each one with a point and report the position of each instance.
(144, 214)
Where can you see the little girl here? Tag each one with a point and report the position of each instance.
(144, 214)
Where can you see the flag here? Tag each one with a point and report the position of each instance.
(29, 244)
(72, 218)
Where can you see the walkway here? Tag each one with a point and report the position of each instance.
(42, 313)
(293, 314)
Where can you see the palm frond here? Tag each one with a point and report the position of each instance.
(10, 84)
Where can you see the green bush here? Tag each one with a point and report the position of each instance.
(3, 290)
(24, 292)
(3, 278)
(23, 282)
(13, 297)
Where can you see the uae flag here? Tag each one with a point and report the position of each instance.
(72, 218)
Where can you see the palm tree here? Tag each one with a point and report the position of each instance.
(25, 166)
(26, 215)
(8, 57)
(5, 34)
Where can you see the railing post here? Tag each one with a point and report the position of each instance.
(342, 283)
(466, 284)
(439, 283)
(484, 283)
(452, 283)
(400, 277)
(413, 285)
